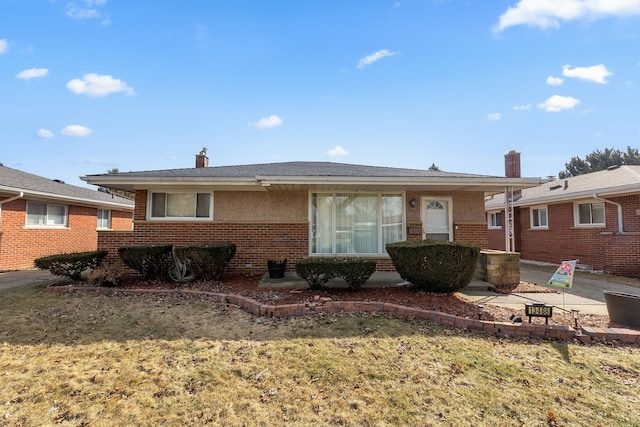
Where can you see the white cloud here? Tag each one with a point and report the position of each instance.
(557, 103)
(76, 130)
(268, 122)
(522, 107)
(337, 151)
(45, 133)
(4, 46)
(554, 81)
(32, 73)
(595, 73)
(88, 9)
(370, 59)
(494, 117)
(93, 84)
(550, 13)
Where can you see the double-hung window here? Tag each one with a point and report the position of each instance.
(494, 220)
(46, 215)
(104, 218)
(539, 217)
(180, 206)
(355, 223)
(589, 214)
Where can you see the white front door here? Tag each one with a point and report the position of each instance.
(436, 219)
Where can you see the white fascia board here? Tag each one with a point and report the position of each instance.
(497, 182)
(156, 182)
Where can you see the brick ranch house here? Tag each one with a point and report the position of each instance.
(40, 217)
(593, 218)
(301, 209)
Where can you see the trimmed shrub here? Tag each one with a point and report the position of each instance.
(317, 271)
(207, 262)
(355, 271)
(153, 262)
(435, 266)
(71, 265)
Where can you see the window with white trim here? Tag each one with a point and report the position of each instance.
(46, 215)
(539, 217)
(104, 218)
(494, 220)
(180, 206)
(589, 214)
(355, 223)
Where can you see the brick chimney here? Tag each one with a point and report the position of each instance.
(512, 164)
(512, 169)
(202, 161)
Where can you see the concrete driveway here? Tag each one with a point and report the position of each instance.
(11, 279)
(586, 295)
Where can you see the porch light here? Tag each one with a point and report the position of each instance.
(480, 311)
(413, 203)
(574, 314)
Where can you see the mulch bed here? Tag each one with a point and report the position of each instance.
(403, 295)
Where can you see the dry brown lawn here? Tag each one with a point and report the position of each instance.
(83, 359)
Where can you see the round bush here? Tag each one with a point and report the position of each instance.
(435, 266)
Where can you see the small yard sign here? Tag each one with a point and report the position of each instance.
(538, 310)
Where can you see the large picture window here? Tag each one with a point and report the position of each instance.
(46, 215)
(355, 223)
(589, 214)
(180, 206)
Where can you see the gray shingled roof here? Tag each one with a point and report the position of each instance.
(14, 181)
(310, 175)
(292, 169)
(610, 182)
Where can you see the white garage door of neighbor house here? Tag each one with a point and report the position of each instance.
(436, 219)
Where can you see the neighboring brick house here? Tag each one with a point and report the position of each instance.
(40, 217)
(593, 218)
(300, 209)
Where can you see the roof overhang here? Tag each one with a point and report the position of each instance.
(487, 185)
(13, 191)
(564, 197)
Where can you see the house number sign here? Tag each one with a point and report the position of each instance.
(538, 310)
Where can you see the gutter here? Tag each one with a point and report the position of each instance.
(620, 224)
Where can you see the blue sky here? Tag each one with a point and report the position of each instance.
(91, 85)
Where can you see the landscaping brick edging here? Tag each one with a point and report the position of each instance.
(585, 334)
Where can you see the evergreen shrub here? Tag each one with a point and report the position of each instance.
(317, 271)
(153, 262)
(207, 262)
(435, 266)
(71, 265)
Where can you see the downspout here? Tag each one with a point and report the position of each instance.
(10, 199)
(620, 224)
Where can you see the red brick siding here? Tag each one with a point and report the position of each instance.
(472, 233)
(602, 248)
(20, 245)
